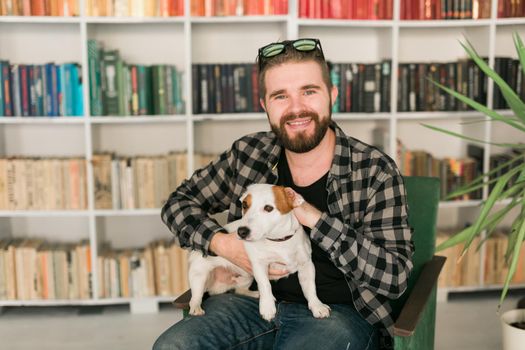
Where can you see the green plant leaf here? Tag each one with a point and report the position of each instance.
(508, 179)
(493, 220)
(496, 218)
(456, 239)
(462, 236)
(476, 185)
(490, 229)
(481, 181)
(486, 208)
(520, 49)
(513, 235)
(505, 145)
(514, 262)
(515, 123)
(513, 100)
(487, 120)
(514, 190)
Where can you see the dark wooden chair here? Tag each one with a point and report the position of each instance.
(415, 311)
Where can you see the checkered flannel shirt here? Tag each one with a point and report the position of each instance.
(365, 232)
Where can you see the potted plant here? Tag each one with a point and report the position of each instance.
(508, 186)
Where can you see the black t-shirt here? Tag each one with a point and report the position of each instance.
(331, 285)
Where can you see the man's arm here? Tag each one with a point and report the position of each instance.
(208, 191)
(379, 257)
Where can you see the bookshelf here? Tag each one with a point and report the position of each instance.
(186, 40)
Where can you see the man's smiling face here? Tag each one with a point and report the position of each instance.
(298, 104)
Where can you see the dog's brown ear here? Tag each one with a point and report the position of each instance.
(283, 203)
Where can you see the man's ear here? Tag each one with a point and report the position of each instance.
(333, 94)
(263, 105)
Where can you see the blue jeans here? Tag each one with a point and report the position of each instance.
(232, 322)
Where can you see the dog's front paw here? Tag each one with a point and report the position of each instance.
(267, 309)
(320, 310)
(196, 310)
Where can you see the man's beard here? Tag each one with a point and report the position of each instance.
(302, 143)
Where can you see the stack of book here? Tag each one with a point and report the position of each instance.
(121, 89)
(135, 8)
(159, 269)
(346, 9)
(417, 93)
(511, 8)
(453, 172)
(48, 90)
(32, 269)
(465, 270)
(139, 182)
(458, 272)
(445, 9)
(211, 8)
(225, 88)
(510, 71)
(43, 183)
(362, 87)
(39, 8)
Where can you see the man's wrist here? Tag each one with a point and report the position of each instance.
(216, 243)
(314, 219)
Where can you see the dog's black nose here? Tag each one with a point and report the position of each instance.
(243, 231)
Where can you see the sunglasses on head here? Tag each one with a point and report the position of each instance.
(274, 49)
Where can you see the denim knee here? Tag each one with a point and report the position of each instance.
(171, 339)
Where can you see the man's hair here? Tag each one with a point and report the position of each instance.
(292, 55)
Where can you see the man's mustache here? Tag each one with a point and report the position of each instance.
(292, 116)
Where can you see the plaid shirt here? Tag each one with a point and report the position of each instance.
(365, 232)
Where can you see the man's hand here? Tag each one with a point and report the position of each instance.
(307, 214)
(231, 248)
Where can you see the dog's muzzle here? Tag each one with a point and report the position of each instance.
(243, 232)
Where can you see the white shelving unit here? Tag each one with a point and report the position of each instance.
(187, 40)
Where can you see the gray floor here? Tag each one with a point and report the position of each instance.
(465, 322)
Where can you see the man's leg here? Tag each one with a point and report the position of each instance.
(231, 322)
(345, 329)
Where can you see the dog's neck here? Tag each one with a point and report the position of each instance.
(280, 239)
(294, 228)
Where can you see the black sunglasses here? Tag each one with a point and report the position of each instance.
(274, 49)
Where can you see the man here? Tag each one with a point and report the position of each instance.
(354, 212)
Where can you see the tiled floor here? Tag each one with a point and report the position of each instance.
(463, 323)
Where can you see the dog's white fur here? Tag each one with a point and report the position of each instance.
(267, 214)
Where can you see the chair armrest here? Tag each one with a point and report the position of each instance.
(183, 300)
(418, 298)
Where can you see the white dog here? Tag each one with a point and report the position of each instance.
(271, 234)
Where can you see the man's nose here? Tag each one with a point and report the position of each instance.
(243, 232)
(296, 104)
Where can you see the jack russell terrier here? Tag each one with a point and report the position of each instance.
(271, 234)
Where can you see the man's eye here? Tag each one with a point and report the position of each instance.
(268, 208)
(280, 97)
(309, 92)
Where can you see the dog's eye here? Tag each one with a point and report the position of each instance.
(268, 208)
(244, 205)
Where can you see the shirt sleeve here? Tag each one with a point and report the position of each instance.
(378, 256)
(208, 191)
